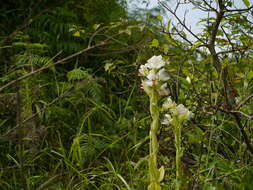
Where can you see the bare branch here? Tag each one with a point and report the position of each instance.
(242, 114)
(180, 21)
(244, 134)
(210, 8)
(212, 37)
(62, 61)
(182, 36)
(217, 108)
(239, 10)
(233, 50)
(244, 101)
(236, 115)
(27, 22)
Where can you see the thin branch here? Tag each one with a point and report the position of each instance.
(182, 36)
(202, 7)
(95, 34)
(244, 101)
(227, 36)
(242, 114)
(117, 51)
(35, 114)
(180, 21)
(62, 61)
(215, 28)
(236, 115)
(244, 134)
(217, 108)
(210, 7)
(213, 35)
(27, 22)
(232, 50)
(239, 10)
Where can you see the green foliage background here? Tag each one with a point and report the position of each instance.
(84, 123)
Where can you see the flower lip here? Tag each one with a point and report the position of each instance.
(167, 119)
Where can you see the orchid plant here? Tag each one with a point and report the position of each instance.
(176, 115)
(154, 84)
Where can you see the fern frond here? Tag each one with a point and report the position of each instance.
(85, 147)
(94, 90)
(35, 60)
(78, 74)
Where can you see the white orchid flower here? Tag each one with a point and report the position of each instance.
(168, 104)
(155, 62)
(167, 119)
(181, 112)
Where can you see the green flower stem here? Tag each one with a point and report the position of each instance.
(179, 153)
(153, 146)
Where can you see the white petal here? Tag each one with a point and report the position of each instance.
(167, 119)
(155, 62)
(188, 79)
(147, 83)
(181, 112)
(163, 75)
(152, 75)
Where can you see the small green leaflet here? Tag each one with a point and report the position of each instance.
(165, 48)
(250, 75)
(246, 3)
(161, 173)
(159, 17)
(154, 43)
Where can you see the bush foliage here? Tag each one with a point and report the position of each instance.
(73, 115)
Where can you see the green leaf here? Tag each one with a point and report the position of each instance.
(96, 26)
(168, 26)
(154, 43)
(250, 75)
(196, 45)
(161, 174)
(165, 48)
(159, 17)
(128, 31)
(246, 3)
(76, 34)
(109, 67)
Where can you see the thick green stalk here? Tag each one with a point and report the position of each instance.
(153, 147)
(179, 153)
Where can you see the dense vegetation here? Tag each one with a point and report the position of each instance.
(73, 115)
